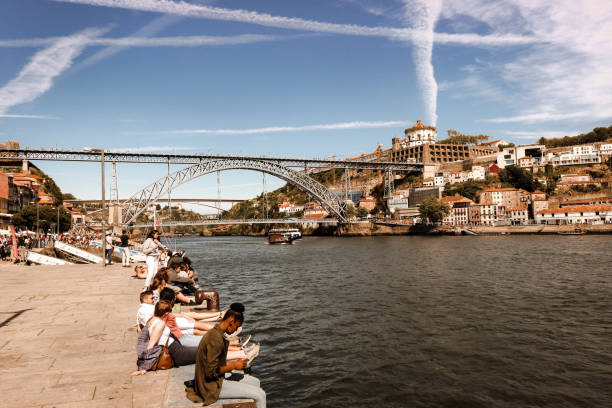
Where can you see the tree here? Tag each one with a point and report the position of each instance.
(598, 134)
(456, 137)
(467, 189)
(518, 178)
(433, 210)
(350, 211)
(68, 196)
(362, 212)
(47, 217)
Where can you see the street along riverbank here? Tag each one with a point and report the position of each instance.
(68, 339)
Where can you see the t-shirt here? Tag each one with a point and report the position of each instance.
(145, 312)
(109, 242)
(171, 324)
(125, 240)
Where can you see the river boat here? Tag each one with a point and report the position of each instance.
(576, 232)
(279, 237)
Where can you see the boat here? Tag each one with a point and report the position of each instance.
(279, 237)
(576, 232)
(41, 259)
(77, 254)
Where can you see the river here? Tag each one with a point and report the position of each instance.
(414, 321)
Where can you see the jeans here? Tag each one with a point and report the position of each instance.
(182, 355)
(108, 254)
(190, 340)
(248, 387)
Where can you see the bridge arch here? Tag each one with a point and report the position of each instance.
(137, 203)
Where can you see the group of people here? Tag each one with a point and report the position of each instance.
(207, 340)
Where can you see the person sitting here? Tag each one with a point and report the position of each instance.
(212, 364)
(159, 334)
(180, 277)
(163, 274)
(146, 309)
(157, 285)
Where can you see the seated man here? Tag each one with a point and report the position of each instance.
(212, 364)
(146, 309)
(180, 278)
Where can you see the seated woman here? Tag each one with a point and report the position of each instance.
(189, 332)
(159, 334)
(212, 364)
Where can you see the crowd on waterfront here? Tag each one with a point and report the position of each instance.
(207, 340)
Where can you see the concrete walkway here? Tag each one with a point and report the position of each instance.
(68, 339)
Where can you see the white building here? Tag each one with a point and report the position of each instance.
(517, 215)
(488, 213)
(289, 208)
(605, 149)
(584, 154)
(579, 214)
(314, 210)
(420, 134)
(510, 156)
(398, 201)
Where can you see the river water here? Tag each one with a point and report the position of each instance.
(497, 321)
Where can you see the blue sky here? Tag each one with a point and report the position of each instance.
(309, 78)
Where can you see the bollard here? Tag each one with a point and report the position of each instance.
(210, 296)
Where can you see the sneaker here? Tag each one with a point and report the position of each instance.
(235, 334)
(243, 341)
(252, 353)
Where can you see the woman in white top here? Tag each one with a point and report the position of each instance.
(159, 333)
(152, 249)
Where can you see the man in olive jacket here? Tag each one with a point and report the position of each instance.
(211, 364)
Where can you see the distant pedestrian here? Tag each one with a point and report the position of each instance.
(108, 250)
(125, 250)
(152, 249)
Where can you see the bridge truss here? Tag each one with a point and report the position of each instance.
(154, 191)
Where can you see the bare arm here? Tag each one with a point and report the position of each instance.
(155, 335)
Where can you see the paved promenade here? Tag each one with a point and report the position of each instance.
(68, 339)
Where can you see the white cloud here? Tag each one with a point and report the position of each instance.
(424, 14)
(566, 77)
(216, 13)
(27, 116)
(37, 76)
(276, 129)
(119, 44)
(534, 134)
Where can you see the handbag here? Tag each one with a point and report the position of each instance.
(165, 359)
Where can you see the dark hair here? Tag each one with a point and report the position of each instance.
(236, 310)
(145, 293)
(163, 274)
(167, 295)
(187, 260)
(150, 235)
(161, 308)
(156, 283)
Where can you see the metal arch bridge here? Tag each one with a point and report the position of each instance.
(322, 221)
(154, 191)
(157, 158)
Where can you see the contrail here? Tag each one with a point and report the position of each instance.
(276, 129)
(424, 14)
(37, 76)
(182, 8)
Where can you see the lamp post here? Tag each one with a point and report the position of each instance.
(101, 151)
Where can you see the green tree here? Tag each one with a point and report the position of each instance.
(350, 211)
(433, 210)
(47, 218)
(68, 196)
(467, 189)
(598, 134)
(362, 212)
(518, 178)
(456, 137)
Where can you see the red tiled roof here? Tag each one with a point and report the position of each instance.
(577, 208)
(538, 192)
(589, 201)
(498, 189)
(519, 208)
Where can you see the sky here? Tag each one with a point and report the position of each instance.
(310, 78)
